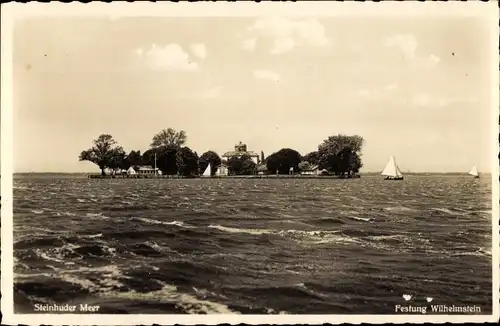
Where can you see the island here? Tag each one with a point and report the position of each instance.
(338, 156)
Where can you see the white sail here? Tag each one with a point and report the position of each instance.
(392, 169)
(473, 171)
(208, 171)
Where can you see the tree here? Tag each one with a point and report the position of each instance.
(166, 159)
(117, 158)
(133, 159)
(341, 154)
(283, 160)
(356, 162)
(248, 165)
(187, 162)
(262, 157)
(335, 144)
(312, 158)
(243, 165)
(305, 166)
(101, 153)
(169, 138)
(261, 168)
(211, 158)
(234, 165)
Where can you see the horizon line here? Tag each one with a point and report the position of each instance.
(365, 172)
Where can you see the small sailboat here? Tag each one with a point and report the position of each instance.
(473, 171)
(391, 171)
(208, 171)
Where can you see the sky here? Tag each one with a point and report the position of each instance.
(413, 87)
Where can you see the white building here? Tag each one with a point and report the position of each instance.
(313, 170)
(221, 170)
(240, 150)
(147, 169)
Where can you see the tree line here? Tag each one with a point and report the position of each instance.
(337, 155)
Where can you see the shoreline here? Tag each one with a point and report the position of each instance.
(94, 176)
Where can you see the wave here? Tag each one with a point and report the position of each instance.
(316, 236)
(135, 235)
(240, 230)
(97, 216)
(45, 256)
(94, 250)
(184, 302)
(146, 249)
(399, 209)
(127, 207)
(74, 281)
(357, 218)
(327, 220)
(21, 188)
(289, 291)
(447, 211)
(65, 213)
(151, 221)
(479, 252)
(39, 243)
(92, 235)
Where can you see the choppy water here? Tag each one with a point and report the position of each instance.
(252, 246)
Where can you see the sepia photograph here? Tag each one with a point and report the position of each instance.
(336, 160)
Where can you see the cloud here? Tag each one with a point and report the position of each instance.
(382, 92)
(168, 57)
(406, 42)
(283, 45)
(249, 44)
(139, 52)
(286, 34)
(266, 74)
(199, 50)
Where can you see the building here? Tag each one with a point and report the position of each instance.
(240, 150)
(221, 171)
(147, 169)
(313, 170)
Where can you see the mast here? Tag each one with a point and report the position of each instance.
(398, 172)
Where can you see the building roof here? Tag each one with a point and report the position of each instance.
(312, 168)
(234, 153)
(146, 167)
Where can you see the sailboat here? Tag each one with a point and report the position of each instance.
(391, 171)
(208, 171)
(473, 171)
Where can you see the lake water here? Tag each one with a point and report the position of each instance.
(252, 246)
